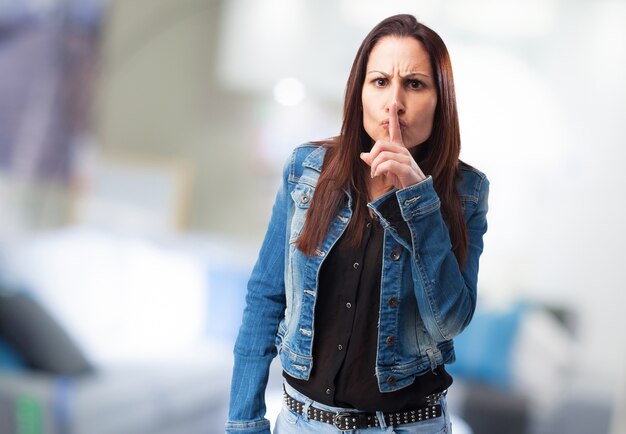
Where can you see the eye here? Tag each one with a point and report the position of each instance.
(380, 82)
(415, 84)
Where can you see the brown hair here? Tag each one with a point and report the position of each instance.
(437, 156)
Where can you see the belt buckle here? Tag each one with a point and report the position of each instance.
(337, 420)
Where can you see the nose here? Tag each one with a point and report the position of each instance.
(396, 97)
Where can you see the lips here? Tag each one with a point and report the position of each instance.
(385, 124)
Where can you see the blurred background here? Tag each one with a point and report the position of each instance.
(141, 143)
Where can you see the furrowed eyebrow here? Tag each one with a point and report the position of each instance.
(409, 75)
(415, 74)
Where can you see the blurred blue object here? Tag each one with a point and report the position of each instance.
(9, 359)
(483, 350)
(86, 11)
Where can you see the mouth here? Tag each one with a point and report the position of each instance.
(385, 124)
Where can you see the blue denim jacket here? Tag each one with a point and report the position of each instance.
(434, 299)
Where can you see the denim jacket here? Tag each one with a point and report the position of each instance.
(426, 299)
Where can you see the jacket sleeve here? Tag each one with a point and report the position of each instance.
(446, 294)
(255, 345)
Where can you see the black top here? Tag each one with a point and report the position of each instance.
(346, 334)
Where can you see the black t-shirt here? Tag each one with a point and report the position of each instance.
(346, 334)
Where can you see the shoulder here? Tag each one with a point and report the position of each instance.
(309, 155)
(472, 183)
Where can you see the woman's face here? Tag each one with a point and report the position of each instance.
(398, 70)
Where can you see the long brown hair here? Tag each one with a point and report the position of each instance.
(437, 156)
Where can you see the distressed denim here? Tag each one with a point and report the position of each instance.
(434, 299)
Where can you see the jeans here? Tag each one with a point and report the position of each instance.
(289, 422)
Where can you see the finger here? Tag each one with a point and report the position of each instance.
(400, 174)
(390, 168)
(395, 135)
(367, 157)
(381, 146)
(388, 156)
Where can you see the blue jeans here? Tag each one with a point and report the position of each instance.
(289, 422)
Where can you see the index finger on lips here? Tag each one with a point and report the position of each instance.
(395, 135)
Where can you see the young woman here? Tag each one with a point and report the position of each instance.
(369, 265)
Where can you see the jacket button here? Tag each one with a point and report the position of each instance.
(327, 391)
(390, 340)
(391, 380)
(348, 305)
(356, 265)
(395, 255)
(304, 199)
(393, 302)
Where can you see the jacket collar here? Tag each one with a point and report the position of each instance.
(315, 160)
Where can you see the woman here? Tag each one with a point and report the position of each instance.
(369, 265)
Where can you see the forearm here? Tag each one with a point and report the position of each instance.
(255, 345)
(247, 396)
(445, 296)
(446, 293)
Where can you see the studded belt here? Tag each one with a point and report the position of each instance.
(348, 420)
